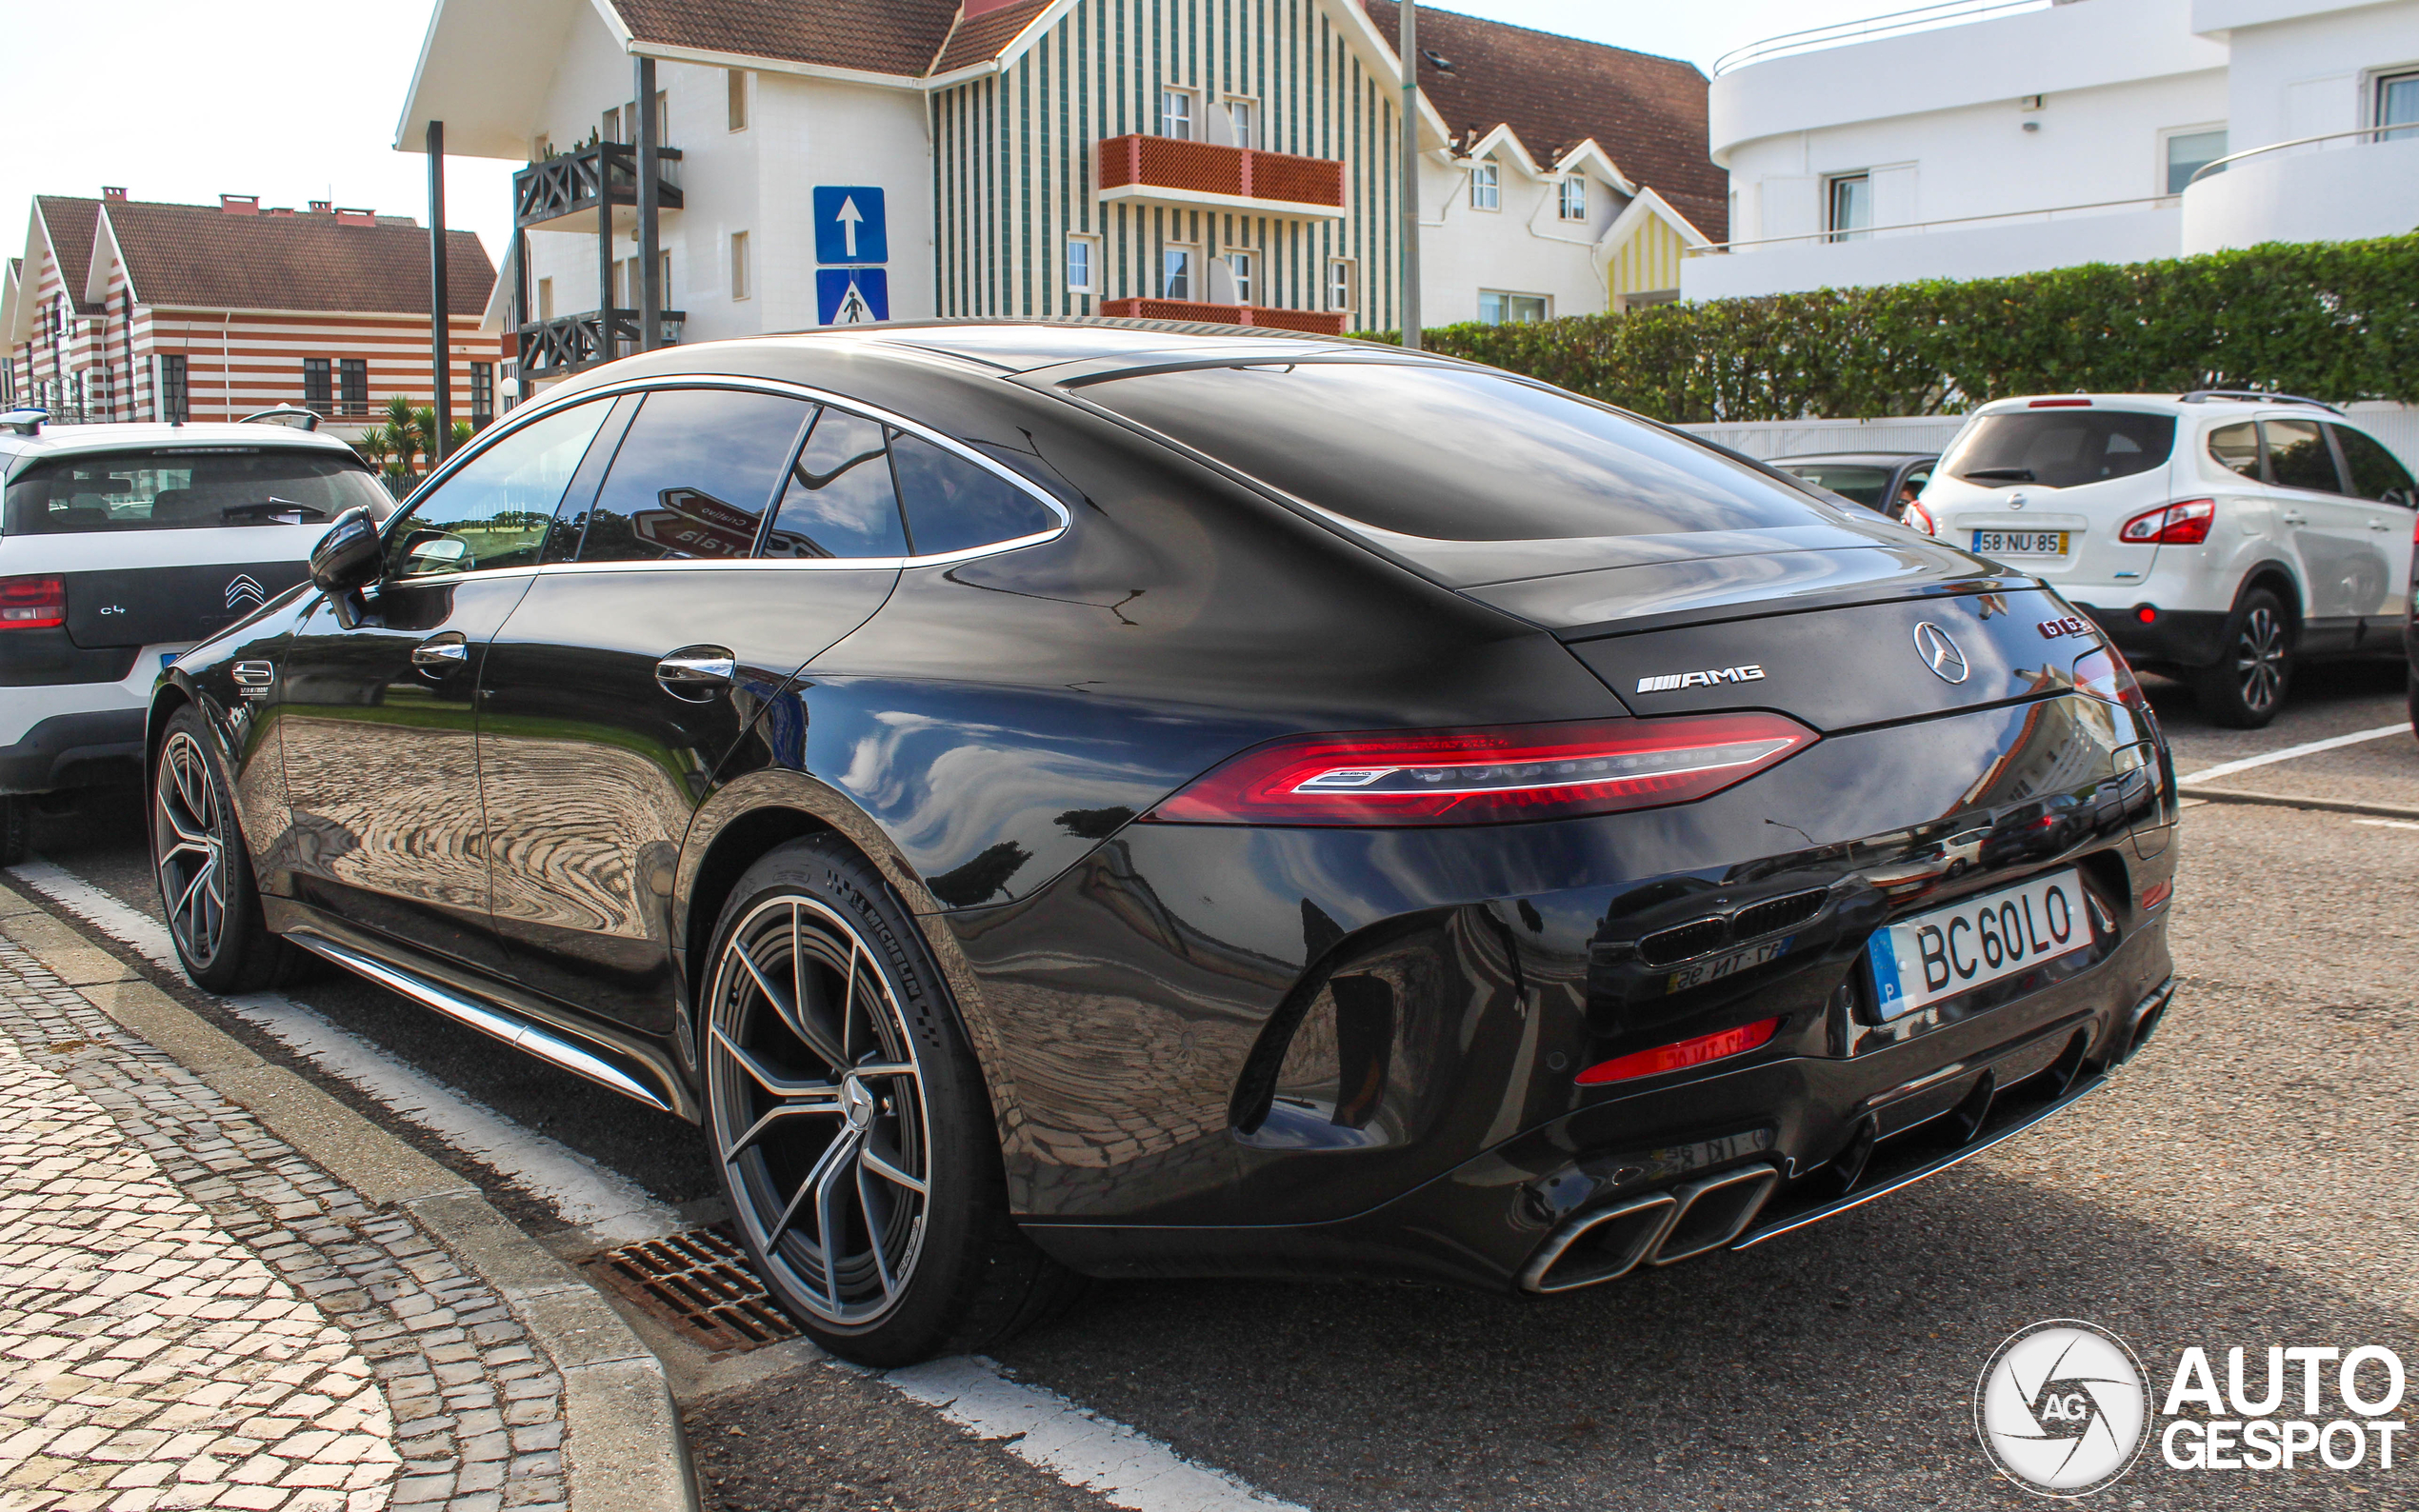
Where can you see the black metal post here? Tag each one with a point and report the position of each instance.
(440, 318)
(1407, 47)
(605, 348)
(650, 293)
(520, 314)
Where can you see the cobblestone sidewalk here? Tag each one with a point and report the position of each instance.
(194, 1316)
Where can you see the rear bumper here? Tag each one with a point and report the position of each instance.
(2174, 638)
(91, 749)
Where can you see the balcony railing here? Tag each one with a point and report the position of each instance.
(562, 192)
(1317, 322)
(1234, 177)
(554, 348)
(1873, 28)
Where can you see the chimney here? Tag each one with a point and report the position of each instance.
(355, 217)
(282, 209)
(321, 207)
(113, 191)
(239, 205)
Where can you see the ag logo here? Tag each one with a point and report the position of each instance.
(2062, 1408)
(244, 591)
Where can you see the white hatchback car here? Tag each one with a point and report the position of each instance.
(123, 545)
(2219, 537)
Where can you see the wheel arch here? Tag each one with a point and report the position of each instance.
(2278, 579)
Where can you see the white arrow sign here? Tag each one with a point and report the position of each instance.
(848, 216)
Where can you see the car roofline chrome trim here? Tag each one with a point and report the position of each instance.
(519, 1033)
(537, 409)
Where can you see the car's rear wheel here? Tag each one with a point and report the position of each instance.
(2249, 684)
(851, 1125)
(204, 872)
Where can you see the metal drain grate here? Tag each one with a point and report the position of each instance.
(699, 1282)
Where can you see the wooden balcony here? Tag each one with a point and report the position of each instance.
(1317, 322)
(563, 192)
(559, 348)
(1203, 175)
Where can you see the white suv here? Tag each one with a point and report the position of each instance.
(121, 546)
(2219, 537)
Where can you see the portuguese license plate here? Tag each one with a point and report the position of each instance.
(2021, 543)
(1977, 941)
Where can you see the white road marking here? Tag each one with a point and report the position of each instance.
(2290, 752)
(1123, 1466)
(2388, 823)
(583, 1193)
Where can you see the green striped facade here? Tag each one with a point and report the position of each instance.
(1013, 157)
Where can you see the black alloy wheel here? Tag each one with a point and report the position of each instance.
(2249, 684)
(204, 872)
(850, 1124)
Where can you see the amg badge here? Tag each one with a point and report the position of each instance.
(1673, 681)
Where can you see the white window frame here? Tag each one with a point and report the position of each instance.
(1487, 185)
(1341, 289)
(1191, 255)
(1544, 305)
(1176, 110)
(2373, 102)
(1832, 232)
(740, 99)
(1243, 269)
(2167, 136)
(1089, 246)
(741, 270)
(1571, 198)
(1243, 122)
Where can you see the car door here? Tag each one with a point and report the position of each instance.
(376, 698)
(2344, 565)
(2383, 486)
(632, 669)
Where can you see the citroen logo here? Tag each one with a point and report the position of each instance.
(243, 588)
(1940, 653)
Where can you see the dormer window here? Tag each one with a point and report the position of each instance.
(1487, 186)
(1572, 203)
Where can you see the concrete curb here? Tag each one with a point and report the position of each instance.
(623, 1449)
(2331, 806)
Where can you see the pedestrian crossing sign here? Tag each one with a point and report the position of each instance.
(851, 296)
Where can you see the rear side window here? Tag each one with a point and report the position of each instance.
(1454, 455)
(839, 500)
(694, 476)
(187, 489)
(2235, 448)
(494, 510)
(954, 506)
(2298, 456)
(2375, 473)
(1861, 482)
(2059, 448)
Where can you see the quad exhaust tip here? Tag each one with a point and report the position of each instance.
(1656, 1230)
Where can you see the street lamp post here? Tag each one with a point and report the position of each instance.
(1407, 46)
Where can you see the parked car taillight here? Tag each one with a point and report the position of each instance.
(2183, 523)
(32, 604)
(1920, 518)
(2104, 674)
(1488, 775)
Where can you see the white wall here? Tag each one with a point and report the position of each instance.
(2302, 69)
(2335, 191)
(1994, 250)
(1523, 248)
(817, 132)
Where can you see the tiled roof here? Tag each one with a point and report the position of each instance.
(197, 255)
(70, 222)
(1647, 112)
(875, 36)
(983, 37)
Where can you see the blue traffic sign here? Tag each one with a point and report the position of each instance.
(851, 296)
(849, 225)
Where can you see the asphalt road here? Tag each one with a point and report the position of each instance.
(2244, 1183)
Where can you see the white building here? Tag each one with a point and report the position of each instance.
(1992, 137)
(1224, 160)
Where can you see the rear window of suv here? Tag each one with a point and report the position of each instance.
(1449, 454)
(173, 488)
(2059, 448)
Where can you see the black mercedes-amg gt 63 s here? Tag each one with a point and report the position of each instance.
(1109, 799)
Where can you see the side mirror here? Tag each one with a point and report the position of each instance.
(347, 557)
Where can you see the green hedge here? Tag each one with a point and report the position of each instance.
(2332, 320)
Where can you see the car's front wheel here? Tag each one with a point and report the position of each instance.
(2249, 684)
(851, 1123)
(204, 872)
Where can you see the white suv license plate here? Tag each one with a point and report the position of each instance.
(2021, 543)
(1977, 941)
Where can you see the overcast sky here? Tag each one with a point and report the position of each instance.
(183, 101)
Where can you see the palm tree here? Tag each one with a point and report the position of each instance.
(402, 434)
(424, 428)
(374, 448)
(461, 433)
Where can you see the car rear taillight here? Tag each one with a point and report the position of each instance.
(32, 604)
(2103, 674)
(1681, 1056)
(2058, 403)
(1920, 518)
(2182, 524)
(1488, 775)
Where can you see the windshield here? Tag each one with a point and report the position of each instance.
(173, 488)
(1452, 454)
(2059, 448)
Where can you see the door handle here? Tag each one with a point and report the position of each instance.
(697, 672)
(441, 653)
(2381, 525)
(2293, 517)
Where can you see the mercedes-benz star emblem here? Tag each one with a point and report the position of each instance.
(1940, 653)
